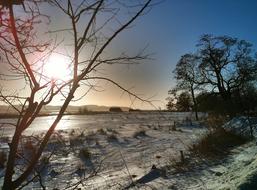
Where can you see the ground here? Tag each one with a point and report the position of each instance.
(123, 150)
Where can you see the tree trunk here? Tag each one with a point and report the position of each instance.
(195, 103)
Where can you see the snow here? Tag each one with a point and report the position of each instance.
(137, 148)
(242, 125)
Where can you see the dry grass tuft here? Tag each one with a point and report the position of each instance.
(215, 121)
(217, 142)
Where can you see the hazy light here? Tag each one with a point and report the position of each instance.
(57, 67)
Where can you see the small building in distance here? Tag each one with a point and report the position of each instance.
(115, 109)
(134, 110)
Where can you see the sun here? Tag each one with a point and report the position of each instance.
(57, 67)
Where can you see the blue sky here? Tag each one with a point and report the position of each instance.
(169, 30)
(173, 28)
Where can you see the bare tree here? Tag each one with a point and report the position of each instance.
(179, 100)
(222, 65)
(187, 76)
(226, 63)
(24, 53)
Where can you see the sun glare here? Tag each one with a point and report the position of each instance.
(57, 67)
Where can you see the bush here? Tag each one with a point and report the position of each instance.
(217, 142)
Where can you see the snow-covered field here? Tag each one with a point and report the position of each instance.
(113, 151)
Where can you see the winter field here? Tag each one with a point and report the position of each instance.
(117, 150)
